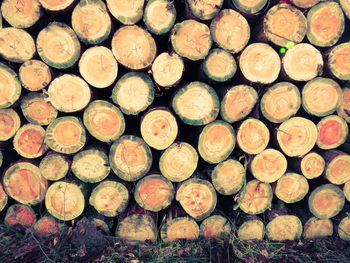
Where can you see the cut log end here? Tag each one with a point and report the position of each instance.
(251, 230)
(179, 228)
(215, 227)
(285, 227)
(312, 165)
(34, 75)
(126, 12)
(292, 188)
(9, 123)
(159, 16)
(318, 228)
(54, 166)
(10, 90)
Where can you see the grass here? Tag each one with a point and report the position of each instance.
(84, 243)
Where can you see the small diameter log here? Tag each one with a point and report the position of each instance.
(133, 92)
(91, 21)
(297, 136)
(256, 198)
(109, 198)
(215, 226)
(37, 109)
(344, 107)
(91, 166)
(130, 158)
(178, 162)
(268, 166)
(159, 16)
(20, 217)
(9, 124)
(29, 141)
(137, 228)
(196, 104)
(65, 135)
(280, 102)
(48, 226)
(216, 141)
(167, 69)
(17, 45)
(69, 93)
(23, 182)
(134, 47)
(154, 192)
(3, 198)
(337, 167)
(253, 136)
(58, 46)
(260, 63)
(204, 10)
(284, 23)
(228, 177)
(179, 228)
(253, 229)
(197, 197)
(346, 190)
(10, 91)
(292, 188)
(104, 121)
(312, 165)
(126, 12)
(284, 227)
(219, 65)
(65, 200)
(345, 5)
(54, 166)
(303, 62)
(305, 3)
(238, 102)
(318, 228)
(191, 39)
(98, 67)
(332, 132)
(57, 6)
(230, 30)
(338, 61)
(34, 75)
(326, 201)
(325, 32)
(344, 229)
(249, 7)
(321, 96)
(159, 128)
(21, 14)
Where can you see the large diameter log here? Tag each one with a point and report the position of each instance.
(196, 103)
(154, 192)
(58, 45)
(191, 39)
(230, 30)
(17, 45)
(34, 75)
(178, 162)
(104, 121)
(130, 158)
(216, 141)
(23, 182)
(10, 92)
(65, 200)
(197, 197)
(21, 14)
(159, 16)
(109, 198)
(91, 21)
(280, 102)
(326, 201)
(325, 32)
(284, 227)
(260, 63)
(134, 47)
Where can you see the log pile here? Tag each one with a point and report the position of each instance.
(186, 118)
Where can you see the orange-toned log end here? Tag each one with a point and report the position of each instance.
(104, 121)
(339, 61)
(305, 3)
(47, 227)
(318, 228)
(344, 229)
(213, 230)
(20, 215)
(338, 171)
(332, 131)
(29, 141)
(34, 75)
(154, 192)
(181, 228)
(312, 165)
(67, 133)
(40, 110)
(253, 136)
(9, 123)
(257, 197)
